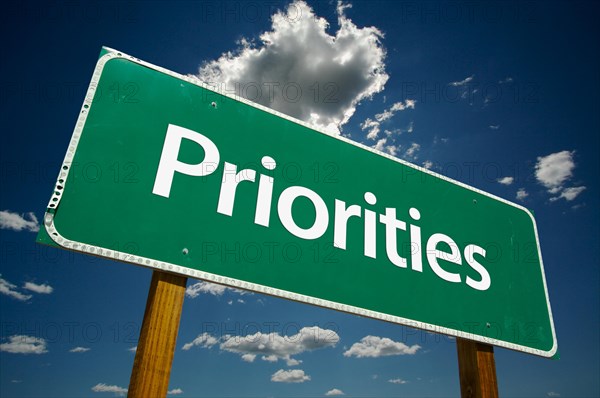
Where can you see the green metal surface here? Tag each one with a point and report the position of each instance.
(108, 202)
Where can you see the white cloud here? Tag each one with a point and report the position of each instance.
(522, 194)
(101, 387)
(17, 222)
(428, 164)
(175, 391)
(299, 69)
(204, 340)
(411, 152)
(374, 347)
(199, 288)
(494, 126)
(79, 349)
(132, 349)
(41, 289)
(506, 180)
(554, 170)
(372, 126)
(391, 111)
(462, 82)
(334, 393)
(380, 146)
(508, 79)
(21, 344)
(290, 376)
(9, 290)
(272, 346)
(569, 193)
(553, 394)
(397, 381)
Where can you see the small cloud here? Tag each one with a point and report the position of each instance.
(506, 180)
(522, 194)
(428, 164)
(494, 126)
(10, 290)
(175, 391)
(132, 349)
(17, 222)
(411, 152)
(79, 349)
(553, 394)
(248, 357)
(569, 194)
(462, 82)
(397, 381)
(554, 170)
(16, 381)
(101, 387)
(372, 126)
(41, 289)
(380, 146)
(375, 377)
(507, 79)
(290, 376)
(204, 340)
(213, 289)
(334, 393)
(21, 344)
(375, 347)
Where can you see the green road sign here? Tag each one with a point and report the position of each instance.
(164, 172)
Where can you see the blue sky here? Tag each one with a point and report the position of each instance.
(500, 95)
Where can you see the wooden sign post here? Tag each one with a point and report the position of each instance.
(156, 346)
(477, 369)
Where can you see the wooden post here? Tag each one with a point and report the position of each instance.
(156, 346)
(477, 369)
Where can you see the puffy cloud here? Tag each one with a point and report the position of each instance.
(522, 194)
(373, 128)
(554, 170)
(299, 69)
(41, 289)
(273, 347)
(380, 146)
(334, 393)
(79, 349)
(428, 164)
(101, 387)
(494, 126)
(506, 180)
(204, 340)
(553, 394)
(9, 290)
(397, 381)
(132, 349)
(175, 391)
(17, 222)
(374, 347)
(290, 376)
(270, 347)
(21, 344)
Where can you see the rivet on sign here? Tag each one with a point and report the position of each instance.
(488, 325)
(474, 201)
(213, 104)
(185, 251)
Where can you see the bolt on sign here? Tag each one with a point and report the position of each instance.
(164, 172)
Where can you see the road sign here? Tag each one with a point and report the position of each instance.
(164, 172)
